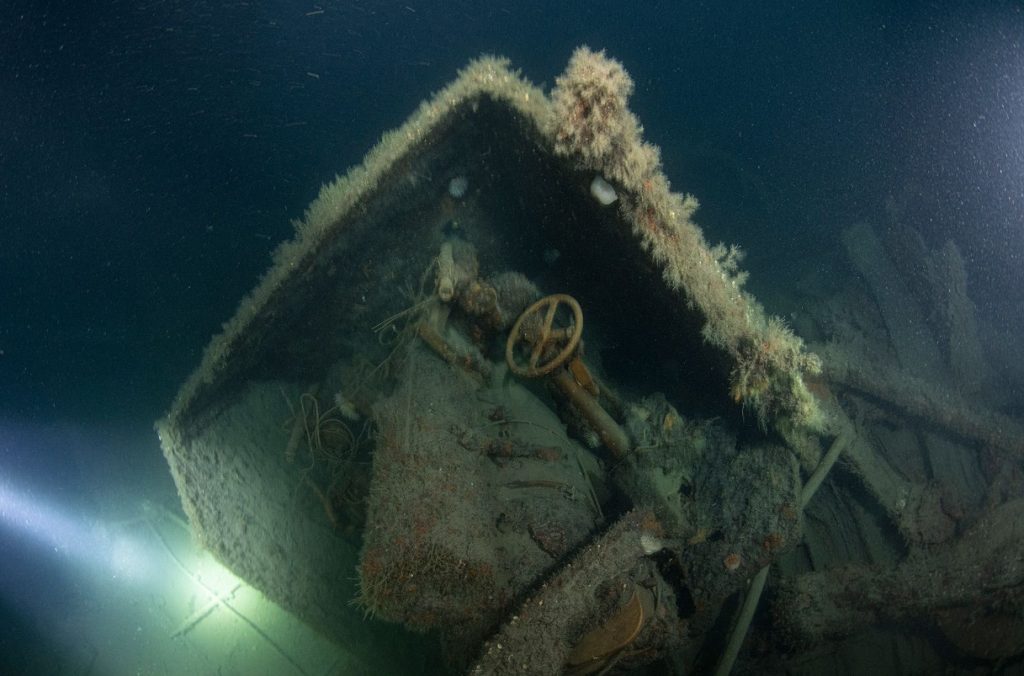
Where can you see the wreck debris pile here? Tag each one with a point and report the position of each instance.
(499, 438)
(937, 458)
(939, 584)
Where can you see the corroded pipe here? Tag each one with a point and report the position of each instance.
(609, 431)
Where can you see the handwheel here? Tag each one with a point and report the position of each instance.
(536, 327)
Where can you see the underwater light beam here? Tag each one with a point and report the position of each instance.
(65, 535)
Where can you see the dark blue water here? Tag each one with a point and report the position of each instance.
(153, 153)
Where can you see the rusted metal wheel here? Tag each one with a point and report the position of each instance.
(550, 346)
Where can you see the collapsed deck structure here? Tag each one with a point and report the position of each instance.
(365, 443)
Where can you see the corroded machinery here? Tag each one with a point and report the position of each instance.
(499, 388)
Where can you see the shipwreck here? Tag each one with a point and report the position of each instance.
(502, 401)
